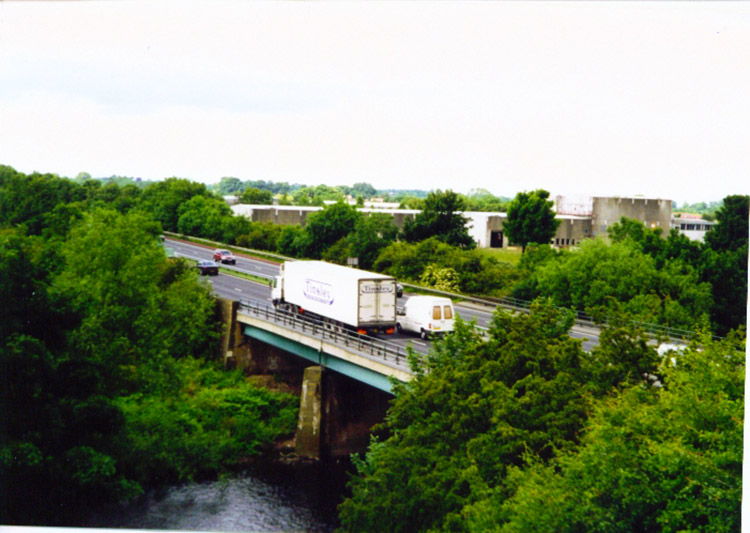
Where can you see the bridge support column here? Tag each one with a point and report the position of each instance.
(310, 425)
(336, 414)
(232, 337)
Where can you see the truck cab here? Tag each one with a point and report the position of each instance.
(426, 315)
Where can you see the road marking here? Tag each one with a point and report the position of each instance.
(238, 290)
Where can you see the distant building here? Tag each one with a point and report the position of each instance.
(691, 225)
(580, 218)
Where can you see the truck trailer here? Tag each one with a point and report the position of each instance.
(340, 296)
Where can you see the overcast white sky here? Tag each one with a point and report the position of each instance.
(577, 98)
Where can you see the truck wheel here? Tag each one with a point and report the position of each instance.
(423, 334)
(399, 328)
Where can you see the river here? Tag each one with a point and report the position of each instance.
(269, 496)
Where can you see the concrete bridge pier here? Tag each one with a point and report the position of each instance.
(336, 414)
(309, 438)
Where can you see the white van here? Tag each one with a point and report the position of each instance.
(426, 315)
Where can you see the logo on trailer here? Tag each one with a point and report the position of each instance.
(318, 291)
(374, 288)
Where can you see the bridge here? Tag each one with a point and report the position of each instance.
(366, 359)
(336, 409)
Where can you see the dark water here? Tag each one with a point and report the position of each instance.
(267, 497)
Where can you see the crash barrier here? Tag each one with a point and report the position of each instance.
(323, 330)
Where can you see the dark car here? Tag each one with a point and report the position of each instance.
(399, 290)
(208, 268)
(224, 256)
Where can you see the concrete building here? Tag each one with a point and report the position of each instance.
(580, 218)
(692, 226)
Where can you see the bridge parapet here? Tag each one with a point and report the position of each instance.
(372, 361)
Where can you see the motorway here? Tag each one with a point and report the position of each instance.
(236, 288)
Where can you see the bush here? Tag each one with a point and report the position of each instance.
(215, 420)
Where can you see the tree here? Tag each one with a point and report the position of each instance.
(29, 200)
(658, 459)
(163, 199)
(649, 240)
(365, 190)
(473, 410)
(440, 217)
(254, 196)
(317, 195)
(483, 200)
(731, 232)
(724, 263)
(726, 272)
(371, 234)
(442, 279)
(229, 185)
(261, 236)
(600, 274)
(202, 216)
(531, 219)
(326, 227)
(291, 241)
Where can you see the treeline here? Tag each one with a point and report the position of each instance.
(284, 193)
(111, 379)
(706, 209)
(527, 432)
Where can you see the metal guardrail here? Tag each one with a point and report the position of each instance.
(388, 351)
(581, 318)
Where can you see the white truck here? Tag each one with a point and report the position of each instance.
(342, 297)
(426, 315)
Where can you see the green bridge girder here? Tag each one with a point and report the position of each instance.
(347, 368)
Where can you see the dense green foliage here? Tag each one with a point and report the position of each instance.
(483, 200)
(531, 219)
(213, 419)
(720, 263)
(251, 195)
(164, 199)
(526, 432)
(652, 459)
(108, 356)
(599, 274)
(476, 273)
(440, 217)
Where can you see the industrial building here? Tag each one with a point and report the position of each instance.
(580, 218)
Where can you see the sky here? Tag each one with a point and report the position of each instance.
(580, 99)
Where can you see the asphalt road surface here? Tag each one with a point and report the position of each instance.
(237, 288)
